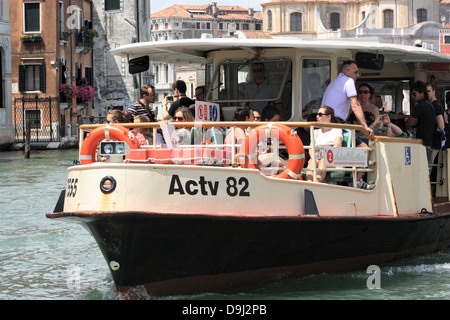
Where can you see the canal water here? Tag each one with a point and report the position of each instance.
(50, 259)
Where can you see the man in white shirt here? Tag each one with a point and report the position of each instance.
(341, 95)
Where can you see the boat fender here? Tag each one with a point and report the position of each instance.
(290, 139)
(113, 131)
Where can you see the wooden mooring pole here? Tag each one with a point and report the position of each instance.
(27, 146)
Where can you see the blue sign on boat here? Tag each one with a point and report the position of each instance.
(407, 155)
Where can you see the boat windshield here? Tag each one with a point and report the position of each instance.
(258, 83)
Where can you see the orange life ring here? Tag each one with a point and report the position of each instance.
(115, 132)
(282, 132)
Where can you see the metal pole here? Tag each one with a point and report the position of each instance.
(35, 120)
(50, 114)
(27, 146)
(23, 118)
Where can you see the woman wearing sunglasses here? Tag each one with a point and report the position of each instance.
(183, 114)
(323, 137)
(365, 94)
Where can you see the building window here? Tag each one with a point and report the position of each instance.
(32, 77)
(32, 17)
(166, 71)
(220, 25)
(269, 20)
(335, 21)
(388, 16)
(245, 26)
(258, 26)
(315, 74)
(296, 21)
(112, 5)
(89, 75)
(446, 39)
(421, 15)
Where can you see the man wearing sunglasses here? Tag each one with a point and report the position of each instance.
(341, 95)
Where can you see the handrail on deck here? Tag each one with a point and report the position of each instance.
(233, 145)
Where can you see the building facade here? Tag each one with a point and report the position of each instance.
(408, 22)
(51, 56)
(6, 127)
(118, 22)
(194, 21)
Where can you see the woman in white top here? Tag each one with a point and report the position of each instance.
(323, 137)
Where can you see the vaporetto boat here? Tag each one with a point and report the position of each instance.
(204, 216)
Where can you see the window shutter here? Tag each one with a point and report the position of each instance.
(42, 78)
(89, 76)
(21, 78)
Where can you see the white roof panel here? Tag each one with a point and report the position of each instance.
(194, 51)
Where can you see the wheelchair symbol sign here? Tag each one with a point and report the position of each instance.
(408, 155)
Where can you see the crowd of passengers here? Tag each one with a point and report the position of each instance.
(341, 102)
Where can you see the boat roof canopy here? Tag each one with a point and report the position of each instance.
(193, 52)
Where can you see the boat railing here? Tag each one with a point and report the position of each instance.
(233, 146)
(352, 144)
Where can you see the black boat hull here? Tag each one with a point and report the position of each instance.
(184, 254)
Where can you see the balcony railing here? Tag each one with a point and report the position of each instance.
(84, 39)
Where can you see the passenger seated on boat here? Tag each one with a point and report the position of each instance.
(127, 117)
(271, 113)
(273, 160)
(381, 125)
(365, 96)
(242, 113)
(323, 137)
(256, 115)
(147, 132)
(118, 116)
(183, 114)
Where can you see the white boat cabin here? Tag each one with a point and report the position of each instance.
(397, 166)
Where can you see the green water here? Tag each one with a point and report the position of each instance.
(44, 258)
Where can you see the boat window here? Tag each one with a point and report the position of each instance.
(209, 72)
(257, 83)
(392, 96)
(315, 77)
